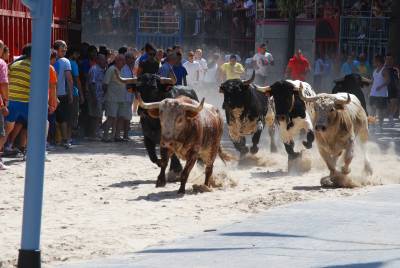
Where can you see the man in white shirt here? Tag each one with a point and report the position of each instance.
(198, 56)
(193, 69)
(261, 60)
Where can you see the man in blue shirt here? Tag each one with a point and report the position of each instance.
(166, 69)
(348, 67)
(180, 71)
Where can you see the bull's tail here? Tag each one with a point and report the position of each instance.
(225, 157)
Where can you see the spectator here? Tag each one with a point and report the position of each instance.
(198, 56)
(18, 96)
(6, 54)
(231, 69)
(159, 56)
(379, 91)
(115, 98)
(180, 71)
(319, 67)
(3, 99)
(391, 75)
(362, 66)
(348, 67)
(166, 69)
(78, 95)
(53, 100)
(298, 67)
(150, 65)
(96, 95)
(261, 61)
(212, 71)
(193, 69)
(127, 72)
(65, 85)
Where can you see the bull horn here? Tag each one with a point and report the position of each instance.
(124, 80)
(306, 98)
(343, 102)
(251, 80)
(166, 81)
(147, 106)
(264, 89)
(193, 108)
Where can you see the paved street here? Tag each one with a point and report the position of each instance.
(354, 232)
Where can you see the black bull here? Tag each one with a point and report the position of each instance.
(352, 84)
(151, 89)
(246, 109)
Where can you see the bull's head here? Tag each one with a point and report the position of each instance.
(327, 108)
(151, 87)
(235, 91)
(283, 93)
(353, 81)
(175, 116)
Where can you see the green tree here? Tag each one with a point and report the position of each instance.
(290, 9)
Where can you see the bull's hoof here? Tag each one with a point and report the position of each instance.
(161, 183)
(328, 182)
(307, 145)
(244, 150)
(254, 149)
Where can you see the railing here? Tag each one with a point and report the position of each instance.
(364, 34)
(270, 11)
(157, 21)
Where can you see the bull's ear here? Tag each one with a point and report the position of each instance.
(154, 113)
(339, 106)
(191, 114)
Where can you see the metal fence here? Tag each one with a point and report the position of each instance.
(369, 35)
(162, 28)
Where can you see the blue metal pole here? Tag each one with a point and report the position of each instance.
(41, 12)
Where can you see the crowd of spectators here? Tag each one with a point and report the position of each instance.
(87, 102)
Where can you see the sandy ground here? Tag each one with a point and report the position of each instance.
(100, 199)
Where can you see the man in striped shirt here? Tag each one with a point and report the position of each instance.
(19, 88)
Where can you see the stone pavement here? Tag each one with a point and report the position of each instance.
(362, 231)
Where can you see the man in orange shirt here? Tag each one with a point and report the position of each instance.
(298, 67)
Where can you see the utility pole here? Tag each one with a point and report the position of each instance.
(41, 12)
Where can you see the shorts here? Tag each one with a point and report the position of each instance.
(2, 130)
(64, 110)
(119, 109)
(95, 108)
(17, 111)
(379, 102)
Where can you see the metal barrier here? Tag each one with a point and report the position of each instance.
(364, 34)
(161, 28)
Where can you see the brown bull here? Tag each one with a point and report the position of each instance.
(192, 131)
(339, 120)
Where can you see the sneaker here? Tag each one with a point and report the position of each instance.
(67, 145)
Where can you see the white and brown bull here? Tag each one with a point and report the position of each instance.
(190, 130)
(339, 120)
